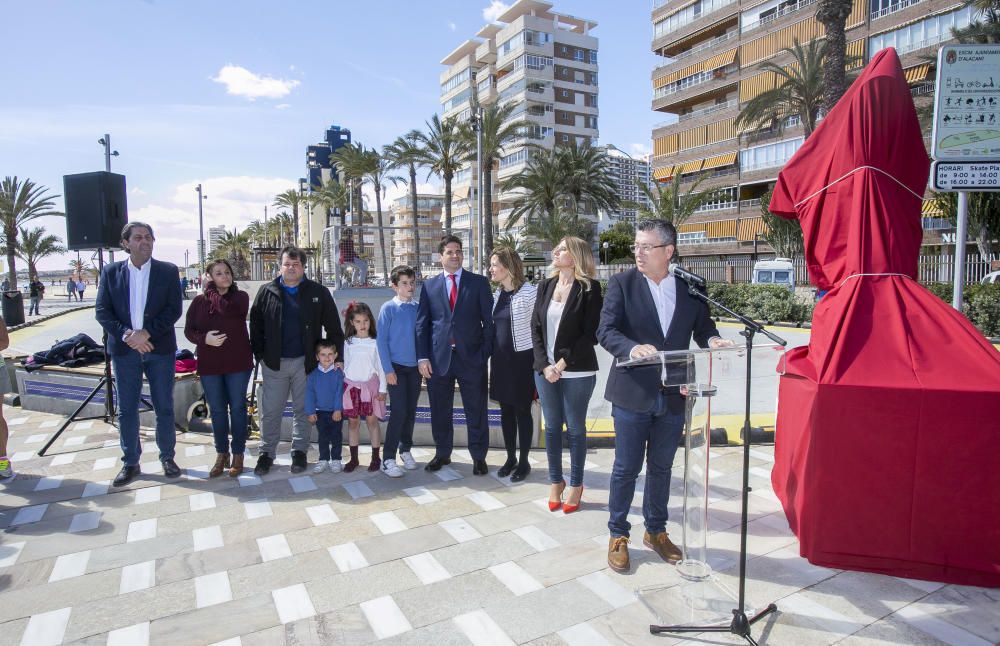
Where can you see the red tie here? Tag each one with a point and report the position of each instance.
(452, 292)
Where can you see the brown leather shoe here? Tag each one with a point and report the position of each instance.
(221, 463)
(237, 467)
(618, 553)
(662, 545)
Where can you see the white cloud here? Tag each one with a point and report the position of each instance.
(282, 106)
(495, 10)
(452, 26)
(638, 150)
(240, 81)
(138, 192)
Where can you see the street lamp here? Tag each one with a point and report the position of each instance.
(303, 185)
(201, 228)
(605, 244)
(476, 121)
(108, 153)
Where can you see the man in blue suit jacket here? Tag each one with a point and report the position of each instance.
(647, 310)
(454, 341)
(138, 302)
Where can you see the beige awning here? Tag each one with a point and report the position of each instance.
(719, 161)
(749, 227)
(917, 74)
(691, 166)
(663, 173)
(721, 229)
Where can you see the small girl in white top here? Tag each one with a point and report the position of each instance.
(364, 383)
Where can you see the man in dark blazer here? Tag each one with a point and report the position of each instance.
(138, 302)
(647, 310)
(454, 341)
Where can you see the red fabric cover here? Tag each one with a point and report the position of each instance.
(885, 450)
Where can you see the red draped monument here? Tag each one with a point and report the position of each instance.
(887, 448)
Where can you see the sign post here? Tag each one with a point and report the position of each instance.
(965, 143)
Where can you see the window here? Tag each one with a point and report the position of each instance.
(564, 138)
(457, 80)
(578, 55)
(687, 15)
(456, 100)
(769, 155)
(514, 158)
(593, 57)
(564, 93)
(926, 33)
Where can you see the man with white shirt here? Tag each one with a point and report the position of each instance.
(647, 310)
(138, 302)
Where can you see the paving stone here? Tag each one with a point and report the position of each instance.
(394, 546)
(125, 610)
(216, 623)
(355, 586)
(482, 553)
(518, 616)
(436, 602)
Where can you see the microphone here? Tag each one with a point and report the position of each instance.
(686, 276)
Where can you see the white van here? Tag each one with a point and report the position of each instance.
(779, 271)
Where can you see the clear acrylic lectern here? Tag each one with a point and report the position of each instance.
(714, 382)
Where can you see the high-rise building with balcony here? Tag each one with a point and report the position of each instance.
(627, 172)
(545, 63)
(214, 237)
(429, 208)
(710, 52)
(320, 171)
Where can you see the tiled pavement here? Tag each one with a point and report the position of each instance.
(445, 558)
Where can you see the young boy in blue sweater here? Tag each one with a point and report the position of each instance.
(397, 349)
(324, 403)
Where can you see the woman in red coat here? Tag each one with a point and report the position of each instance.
(217, 324)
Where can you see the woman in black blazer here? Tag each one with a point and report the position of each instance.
(563, 334)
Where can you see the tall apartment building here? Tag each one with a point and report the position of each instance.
(214, 237)
(627, 172)
(544, 62)
(429, 209)
(320, 171)
(711, 50)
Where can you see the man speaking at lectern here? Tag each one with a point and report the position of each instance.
(647, 310)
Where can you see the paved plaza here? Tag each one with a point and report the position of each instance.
(446, 558)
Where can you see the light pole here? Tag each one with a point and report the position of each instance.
(201, 228)
(476, 120)
(605, 245)
(302, 192)
(108, 154)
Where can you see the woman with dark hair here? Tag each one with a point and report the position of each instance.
(564, 333)
(217, 324)
(511, 383)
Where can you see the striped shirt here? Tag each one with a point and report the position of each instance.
(522, 304)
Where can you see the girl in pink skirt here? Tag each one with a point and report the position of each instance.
(364, 382)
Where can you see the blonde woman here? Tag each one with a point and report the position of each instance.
(511, 384)
(564, 333)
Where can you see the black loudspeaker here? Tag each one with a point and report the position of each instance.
(96, 210)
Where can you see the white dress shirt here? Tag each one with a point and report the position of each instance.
(138, 290)
(665, 298)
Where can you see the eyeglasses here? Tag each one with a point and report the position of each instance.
(646, 248)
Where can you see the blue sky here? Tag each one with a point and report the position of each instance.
(229, 94)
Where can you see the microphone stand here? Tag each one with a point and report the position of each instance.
(741, 624)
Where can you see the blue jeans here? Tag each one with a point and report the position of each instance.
(330, 435)
(566, 402)
(653, 435)
(159, 370)
(403, 410)
(227, 401)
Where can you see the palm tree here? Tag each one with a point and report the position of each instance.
(498, 133)
(444, 151)
(352, 163)
(553, 228)
(291, 199)
(519, 245)
(587, 178)
(832, 14)
(668, 202)
(282, 227)
(537, 188)
(985, 28)
(20, 202)
(256, 233)
(233, 247)
(332, 196)
(406, 151)
(379, 166)
(798, 92)
(784, 235)
(34, 244)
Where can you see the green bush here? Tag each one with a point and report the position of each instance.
(761, 302)
(980, 304)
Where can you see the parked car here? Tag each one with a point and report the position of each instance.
(991, 278)
(779, 271)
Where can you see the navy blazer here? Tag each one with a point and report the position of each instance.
(470, 326)
(163, 306)
(629, 319)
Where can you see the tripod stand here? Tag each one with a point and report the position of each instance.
(740, 624)
(106, 383)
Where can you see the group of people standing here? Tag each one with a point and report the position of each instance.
(535, 339)
(75, 287)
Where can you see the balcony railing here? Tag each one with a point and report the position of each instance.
(920, 90)
(695, 79)
(718, 107)
(708, 44)
(716, 206)
(749, 204)
(784, 11)
(893, 8)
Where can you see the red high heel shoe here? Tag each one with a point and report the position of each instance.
(568, 508)
(555, 505)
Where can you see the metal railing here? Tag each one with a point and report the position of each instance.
(893, 8)
(784, 11)
(708, 44)
(747, 204)
(731, 103)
